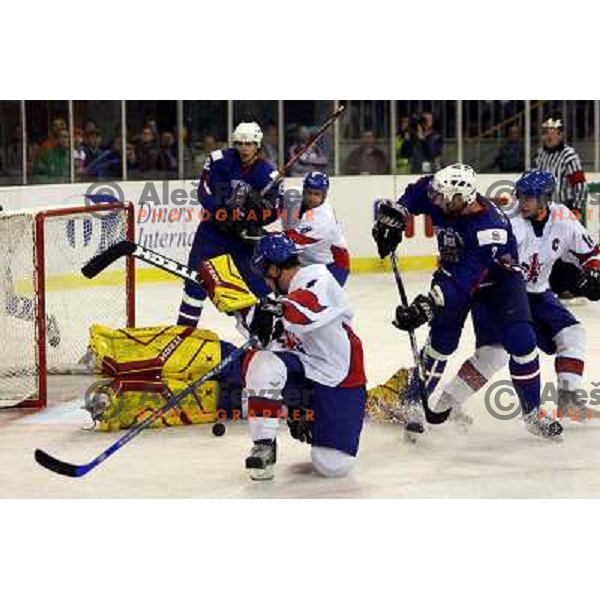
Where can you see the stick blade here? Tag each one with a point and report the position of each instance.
(105, 259)
(58, 466)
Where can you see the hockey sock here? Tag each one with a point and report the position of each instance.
(263, 417)
(569, 360)
(189, 311)
(434, 364)
(524, 365)
(474, 373)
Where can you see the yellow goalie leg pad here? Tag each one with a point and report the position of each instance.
(224, 284)
(385, 401)
(140, 365)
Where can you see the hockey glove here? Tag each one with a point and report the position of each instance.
(389, 225)
(588, 284)
(300, 425)
(264, 321)
(422, 310)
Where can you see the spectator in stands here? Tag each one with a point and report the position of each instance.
(167, 157)
(107, 163)
(147, 151)
(89, 126)
(313, 160)
(511, 156)
(53, 164)
(91, 146)
(78, 150)
(188, 159)
(151, 122)
(202, 150)
(367, 159)
(12, 162)
(402, 163)
(270, 150)
(434, 141)
(59, 124)
(423, 147)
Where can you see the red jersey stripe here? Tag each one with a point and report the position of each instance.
(356, 372)
(300, 238)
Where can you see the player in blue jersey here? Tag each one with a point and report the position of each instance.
(238, 198)
(477, 249)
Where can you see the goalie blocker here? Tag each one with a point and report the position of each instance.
(217, 277)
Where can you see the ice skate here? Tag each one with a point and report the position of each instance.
(262, 459)
(538, 423)
(573, 408)
(458, 416)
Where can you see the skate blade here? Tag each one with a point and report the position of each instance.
(265, 474)
(554, 439)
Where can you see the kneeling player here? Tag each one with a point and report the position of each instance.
(316, 232)
(476, 247)
(545, 232)
(324, 361)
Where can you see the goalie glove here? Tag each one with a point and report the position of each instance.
(588, 284)
(390, 222)
(422, 309)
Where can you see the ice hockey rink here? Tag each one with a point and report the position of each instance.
(494, 459)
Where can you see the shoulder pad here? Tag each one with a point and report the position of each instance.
(216, 155)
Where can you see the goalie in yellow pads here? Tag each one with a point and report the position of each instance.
(140, 367)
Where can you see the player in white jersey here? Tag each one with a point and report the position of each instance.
(545, 232)
(322, 366)
(316, 233)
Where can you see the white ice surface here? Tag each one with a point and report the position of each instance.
(494, 459)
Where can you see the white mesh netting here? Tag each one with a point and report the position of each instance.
(73, 303)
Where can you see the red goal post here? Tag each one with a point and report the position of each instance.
(48, 306)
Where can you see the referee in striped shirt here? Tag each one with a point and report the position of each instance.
(564, 163)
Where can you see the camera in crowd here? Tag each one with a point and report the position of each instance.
(416, 124)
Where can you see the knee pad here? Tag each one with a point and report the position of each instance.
(265, 374)
(330, 462)
(519, 338)
(570, 341)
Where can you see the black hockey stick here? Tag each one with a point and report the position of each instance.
(309, 144)
(72, 470)
(125, 248)
(432, 417)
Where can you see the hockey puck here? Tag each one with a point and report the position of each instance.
(218, 429)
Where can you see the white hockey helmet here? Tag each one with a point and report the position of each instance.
(455, 179)
(248, 132)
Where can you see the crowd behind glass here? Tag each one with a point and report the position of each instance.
(71, 141)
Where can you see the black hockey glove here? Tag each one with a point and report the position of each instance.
(422, 310)
(390, 222)
(588, 284)
(264, 321)
(301, 427)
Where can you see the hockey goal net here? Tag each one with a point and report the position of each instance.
(46, 305)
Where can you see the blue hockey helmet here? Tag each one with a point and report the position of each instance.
(272, 249)
(536, 184)
(316, 180)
